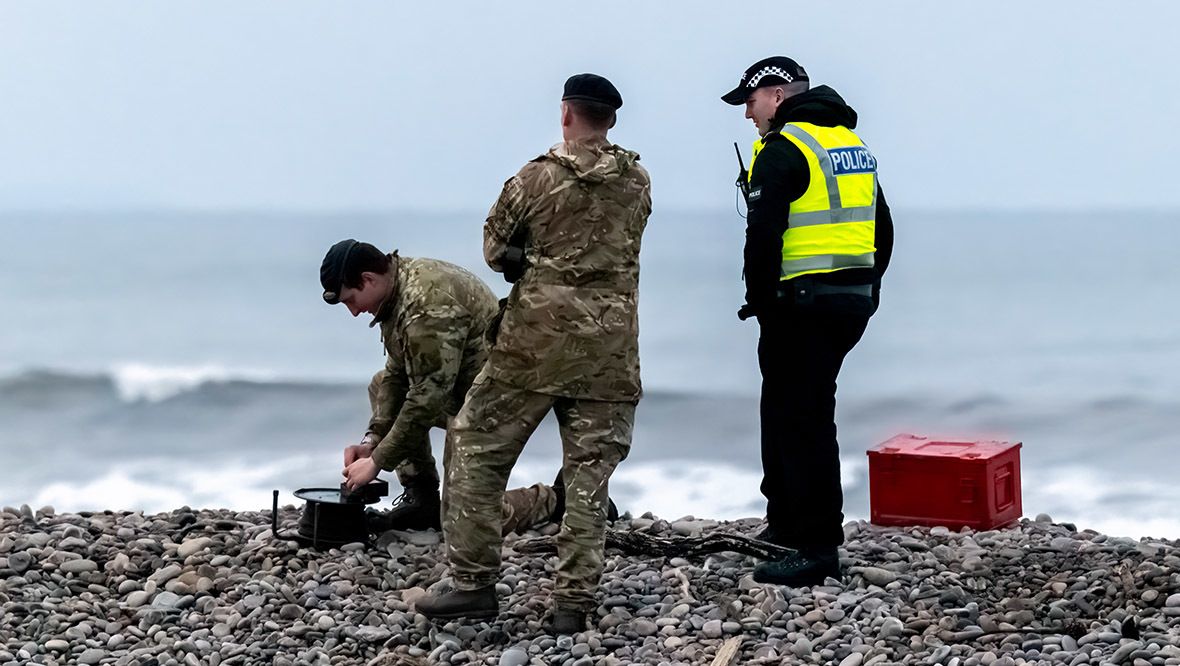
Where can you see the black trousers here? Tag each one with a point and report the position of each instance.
(800, 352)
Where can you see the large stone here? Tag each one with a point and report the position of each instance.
(166, 601)
(19, 562)
(853, 659)
(193, 546)
(373, 634)
(118, 564)
(166, 574)
(877, 576)
(514, 657)
(138, 598)
(645, 627)
(78, 566)
(891, 627)
(92, 656)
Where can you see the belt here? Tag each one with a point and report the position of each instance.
(801, 290)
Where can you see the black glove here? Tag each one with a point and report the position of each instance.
(747, 311)
(493, 330)
(513, 262)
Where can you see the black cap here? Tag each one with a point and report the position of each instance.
(592, 88)
(772, 71)
(332, 270)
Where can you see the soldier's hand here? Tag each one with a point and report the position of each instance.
(359, 473)
(357, 451)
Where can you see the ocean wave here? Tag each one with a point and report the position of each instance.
(142, 383)
(151, 383)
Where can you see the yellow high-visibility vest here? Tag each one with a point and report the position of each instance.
(833, 225)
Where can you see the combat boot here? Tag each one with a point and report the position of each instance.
(566, 622)
(417, 508)
(478, 604)
(612, 511)
(802, 568)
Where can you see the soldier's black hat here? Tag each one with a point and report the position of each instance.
(333, 267)
(592, 88)
(772, 71)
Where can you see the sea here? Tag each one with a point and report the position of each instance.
(156, 359)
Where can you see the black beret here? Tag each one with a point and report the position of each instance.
(332, 269)
(592, 88)
(772, 71)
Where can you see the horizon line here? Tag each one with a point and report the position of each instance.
(445, 211)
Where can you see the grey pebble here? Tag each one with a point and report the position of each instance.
(91, 656)
(514, 657)
(373, 634)
(19, 562)
(853, 659)
(878, 576)
(891, 627)
(78, 566)
(645, 627)
(801, 648)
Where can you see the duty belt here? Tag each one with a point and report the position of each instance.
(801, 290)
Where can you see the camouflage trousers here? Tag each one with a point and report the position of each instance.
(490, 431)
(521, 509)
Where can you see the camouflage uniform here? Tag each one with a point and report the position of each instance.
(432, 326)
(568, 342)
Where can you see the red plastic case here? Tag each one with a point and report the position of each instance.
(914, 480)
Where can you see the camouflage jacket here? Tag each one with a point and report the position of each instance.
(571, 327)
(432, 326)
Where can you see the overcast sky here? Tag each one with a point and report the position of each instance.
(379, 105)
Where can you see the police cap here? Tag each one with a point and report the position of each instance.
(333, 267)
(772, 71)
(592, 88)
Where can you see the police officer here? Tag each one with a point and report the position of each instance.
(433, 317)
(568, 343)
(818, 239)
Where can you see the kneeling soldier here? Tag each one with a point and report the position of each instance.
(433, 318)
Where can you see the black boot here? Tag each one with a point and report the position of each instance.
(612, 511)
(417, 508)
(802, 568)
(565, 622)
(480, 604)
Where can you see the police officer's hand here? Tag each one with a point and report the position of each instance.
(360, 472)
(747, 311)
(358, 451)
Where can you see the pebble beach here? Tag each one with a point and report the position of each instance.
(210, 587)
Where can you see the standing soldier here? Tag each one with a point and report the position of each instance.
(433, 317)
(569, 342)
(818, 239)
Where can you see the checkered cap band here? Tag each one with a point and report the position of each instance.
(768, 71)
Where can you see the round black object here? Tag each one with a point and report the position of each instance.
(331, 518)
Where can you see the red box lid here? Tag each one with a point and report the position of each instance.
(963, 449)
